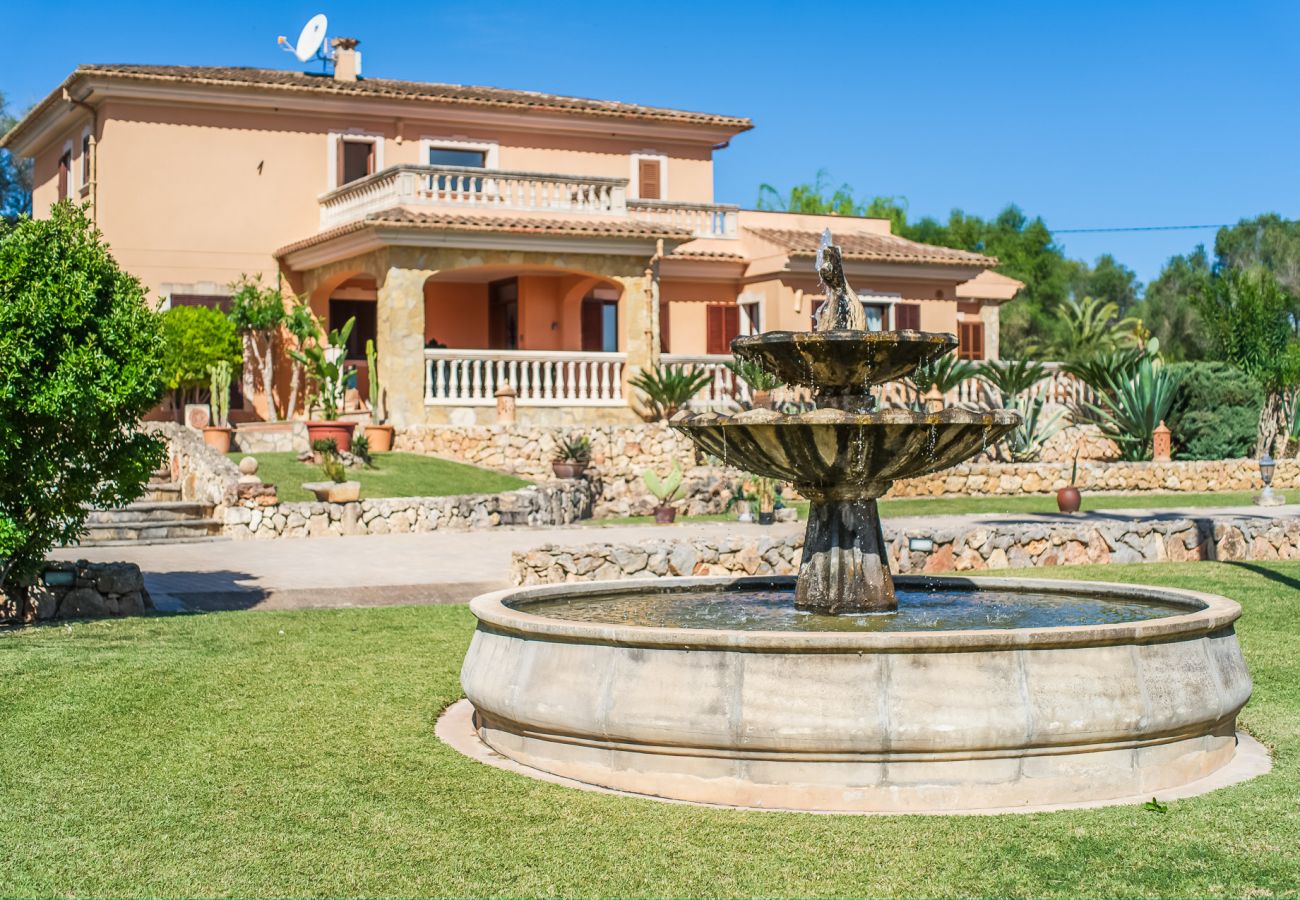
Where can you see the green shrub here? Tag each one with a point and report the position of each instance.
(79, 366)
(1215, 414)
(194, 338)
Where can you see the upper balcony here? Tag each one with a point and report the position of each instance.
(452, 188)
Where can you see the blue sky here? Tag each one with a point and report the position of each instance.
(1089, 114)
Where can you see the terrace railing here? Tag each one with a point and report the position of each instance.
(540, 378)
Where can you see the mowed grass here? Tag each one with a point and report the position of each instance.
(1020, 503)
(293, 754)
(394, 475)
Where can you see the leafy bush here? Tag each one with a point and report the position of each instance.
(1215, 414)
(668, 388)
(79, 366)
(195, 338)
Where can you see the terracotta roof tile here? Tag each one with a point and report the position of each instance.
(458, 94)
(874, 248)
(438, 221)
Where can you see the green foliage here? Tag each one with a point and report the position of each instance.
(327, 370)
(1010, 378)
(1107, 280)
(79, 366)
(1100, 370)
(1037, 426)
(1131, 407)
(331, 461)
(576, 449)
(947, 372)
(666, 489)
(15, 174)
(254, 307)
(1168, 310)
(817, 198)
(376, 396)
(1087, 327)
(219, 392)
(1246, 315)
(753, 375)
(361, 450)
(1215, 414)
(194, 338)
(303, 327)
(668, 388)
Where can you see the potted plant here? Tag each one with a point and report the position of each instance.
(572, 457)
(337, 488)
(760, 381)
(765, 488)
(1068, 498)
(328, 376)
(379, 434)
(742, 499)
(217, 434)
(665, 490)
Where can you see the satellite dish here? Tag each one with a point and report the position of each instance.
(313, 35)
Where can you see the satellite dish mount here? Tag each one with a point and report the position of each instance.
(311, 42)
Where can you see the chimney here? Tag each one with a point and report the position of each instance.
(347, 59)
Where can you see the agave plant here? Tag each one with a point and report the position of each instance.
(946, 372)
(754, 375)
(668, 388)
(1129, 408)
(666, 489)
(1011, 378)
(1037, 426)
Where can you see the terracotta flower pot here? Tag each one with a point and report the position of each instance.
(217, 437)
(335, 491)
(568, 468)
(762, 400)
(380, 438)
(341, 432)
(1068, 499)
(665, 515)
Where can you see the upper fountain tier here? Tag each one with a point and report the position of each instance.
(842, 361)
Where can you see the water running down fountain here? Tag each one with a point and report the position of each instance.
(846, 453)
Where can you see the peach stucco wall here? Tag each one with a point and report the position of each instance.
(456, 314)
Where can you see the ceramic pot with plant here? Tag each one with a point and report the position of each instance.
(379, 433)
(665, 490)
(1068, 498)
(328, 378)
(336, 488)
(572, 457)
(765, 489)
(217, 435)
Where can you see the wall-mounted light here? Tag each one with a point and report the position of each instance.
(920, 544)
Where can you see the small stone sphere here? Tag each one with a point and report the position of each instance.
(248, 466)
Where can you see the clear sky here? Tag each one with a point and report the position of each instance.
(1091, 114)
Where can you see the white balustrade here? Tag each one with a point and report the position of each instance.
(540, 378)
(724, 390)
(472, 189)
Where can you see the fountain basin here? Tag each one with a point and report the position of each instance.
(835, 362)
(901, 721)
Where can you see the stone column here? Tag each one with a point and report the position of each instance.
(399, 342)
(845, 566)
(990, 315)
(640, 302)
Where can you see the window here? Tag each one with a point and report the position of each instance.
(365, 328)
(65, 171)
(970, 340)
(722, 327)
(451, 156)
(751, 313)
(648, 186)
(356, 160)
(907, 316)
(85, 160)
(600, 321)
(877, 316)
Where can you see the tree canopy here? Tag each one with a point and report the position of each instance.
(15, 174)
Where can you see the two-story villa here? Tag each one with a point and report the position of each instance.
(478, 235)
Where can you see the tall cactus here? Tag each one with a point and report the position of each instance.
(372, 365)
(219, 384)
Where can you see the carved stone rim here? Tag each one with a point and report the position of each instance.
(1206, 613)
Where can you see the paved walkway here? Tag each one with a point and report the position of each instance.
(446, 567)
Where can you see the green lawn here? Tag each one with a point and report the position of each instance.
(394, 475)
(1020, 503)
(293, 754)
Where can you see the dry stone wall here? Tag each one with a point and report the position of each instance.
(79, 590)
(555, 503)
(959, 548)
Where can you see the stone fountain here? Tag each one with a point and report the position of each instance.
(847, 689)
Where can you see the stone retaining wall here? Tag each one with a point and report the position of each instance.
(68, 590)
(205, 476)
(554, 503)
(965, 548)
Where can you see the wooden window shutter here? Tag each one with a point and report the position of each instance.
(970, 340)
(648, 181)
(339, 159)
(65, 164)
(723, 326)
(907, 316)
(592, 330)
(663, 328)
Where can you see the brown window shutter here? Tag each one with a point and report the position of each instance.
(970, 340)
(732, 314)
(716, 340)
(85, 160)
(907, 316)
(370, 158)
(65, 164)
(340, 159)
(592, 337)
(648, 181)
(663, 328)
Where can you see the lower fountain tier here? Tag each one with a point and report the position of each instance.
(849, 454)
(865, 721)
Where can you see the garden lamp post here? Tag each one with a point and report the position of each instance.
(1267, 466)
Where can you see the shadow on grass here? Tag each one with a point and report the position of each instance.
(1265, 572)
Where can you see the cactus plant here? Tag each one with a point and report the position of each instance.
(219, 399)
(376, 397)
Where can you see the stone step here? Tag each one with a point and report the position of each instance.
(150, 531)
(136, 542)
(149, 511)
(164, 493)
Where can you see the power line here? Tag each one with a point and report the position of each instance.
(1134, 228)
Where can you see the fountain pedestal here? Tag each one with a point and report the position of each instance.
(845, 568)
